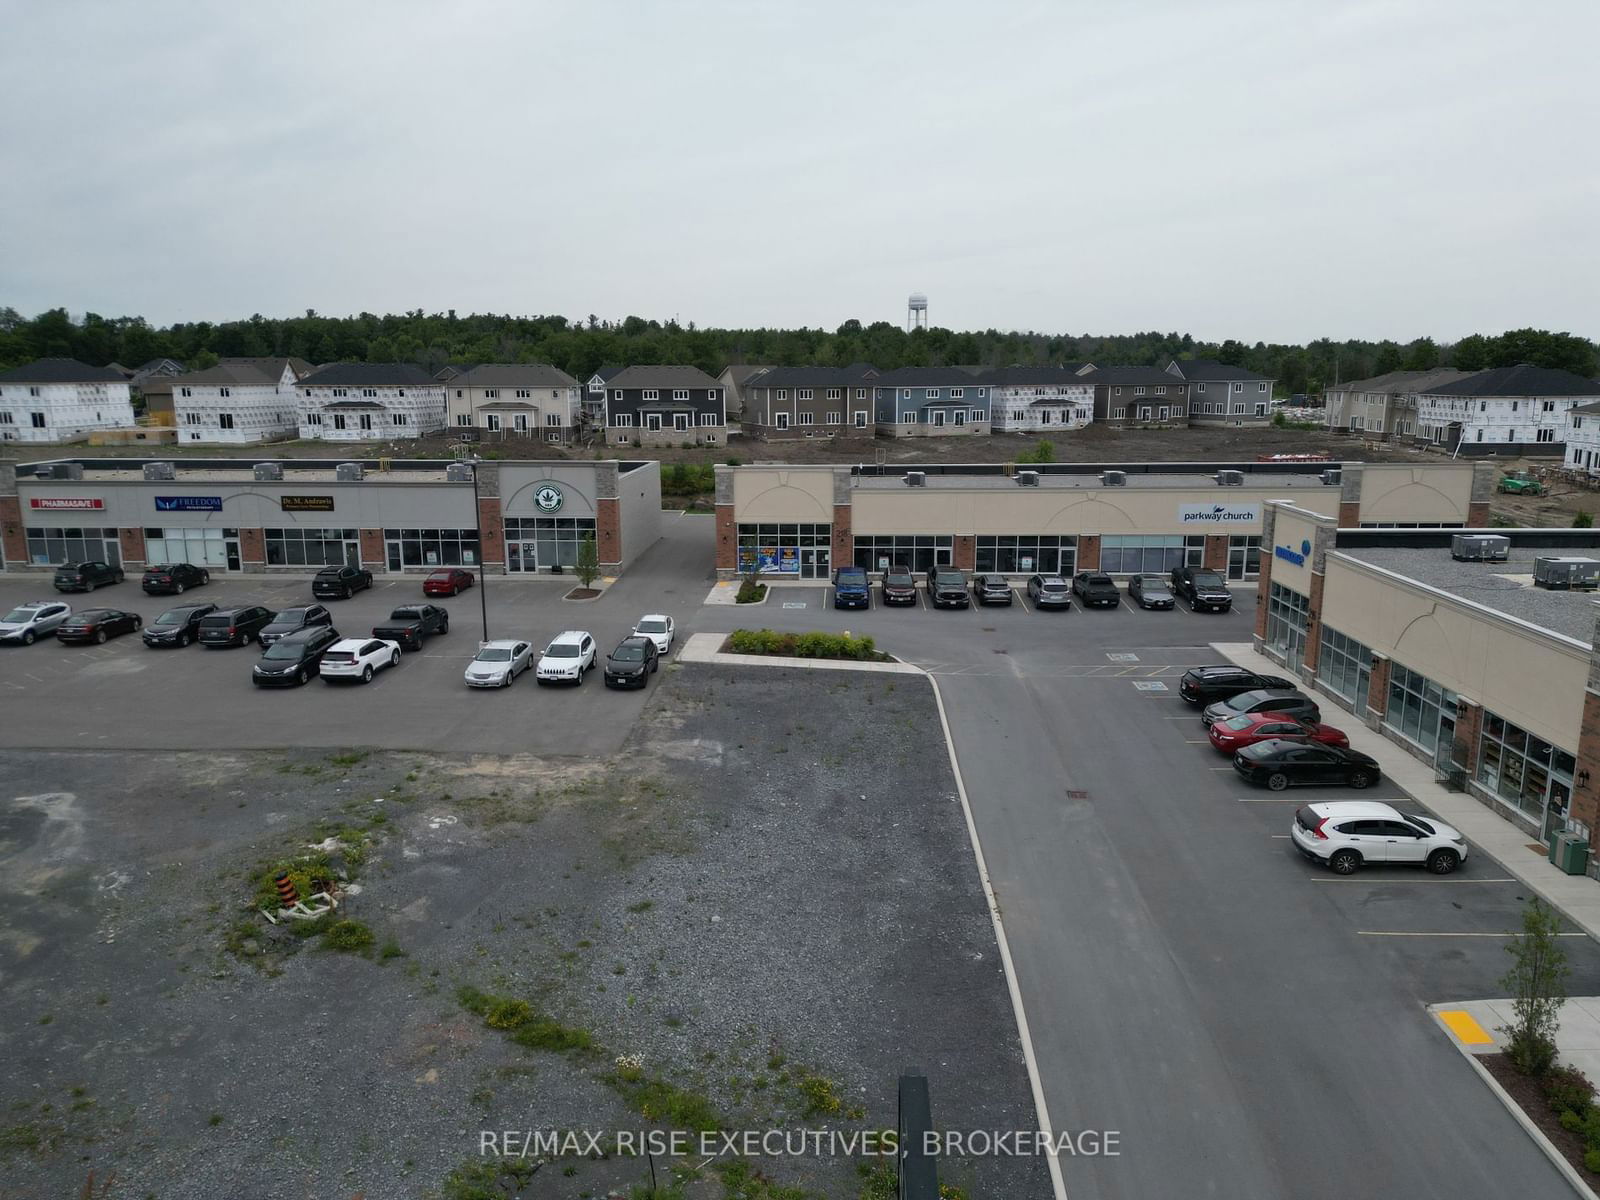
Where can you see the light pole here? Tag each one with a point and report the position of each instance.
(483, 564)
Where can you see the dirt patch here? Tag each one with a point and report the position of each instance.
(1526, 1092)
(582, 593)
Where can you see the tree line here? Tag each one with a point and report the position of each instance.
(580, 346)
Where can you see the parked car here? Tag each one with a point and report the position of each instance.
(177, 626)
(632, 663)
(1279, 764)
(992, 589)
(568, 656)
(452, 581)
(1203, 588)
(1347, 834)
(1150, 591)
(1202, 685)
(1096, 589)
(233, 626)
(358, 658)
(1274, 700)
(947, 588)
(27, 623)
(292, 620)
(411, 624)
(339, 583)
(899, 585)
(498, 663)
(295, 657)
(1049, 591)
(1247, 729)
(86, 576)
(658, 628)
(176, 578)
(98, 624)
(851, 589)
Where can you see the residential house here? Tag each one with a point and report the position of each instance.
(1224, 395)
(1583, 439)
(525, 399)
(1139, 396)
(931, 402)
(54, 399)
(156, 368)
(594, 395)
(237, 401)
(1384, 406)
(1039, 399)
(357, 402)
(1507, 410)
(734, 379)
(665, 405)
(808, 400)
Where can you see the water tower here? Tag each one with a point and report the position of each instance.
(916, 312)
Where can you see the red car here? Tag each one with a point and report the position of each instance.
(447, 583)
(1249, 728)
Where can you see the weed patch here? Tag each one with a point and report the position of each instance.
(348, 937)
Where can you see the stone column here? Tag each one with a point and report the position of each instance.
(1483, 484)
(1350, 495)
(844, 542)
(727, 532)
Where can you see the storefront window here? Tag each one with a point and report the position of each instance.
(1419, 710)
(535, 543)
(1288, 614)
(1021, 554)
(920, 552)
(1525, 771)
(311, 547)
(1344, 667)
(801, 549)
(198, 547)
(1150, 554)
(52, 547)
(1244, 556)
(431, 548)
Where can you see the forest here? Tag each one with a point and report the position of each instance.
(581, 345)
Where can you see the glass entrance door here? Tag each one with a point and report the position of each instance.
(522, 556)
(814, 562)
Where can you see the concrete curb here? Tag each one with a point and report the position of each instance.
(703, 647)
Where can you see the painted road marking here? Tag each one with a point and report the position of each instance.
(1148, 685)
(1198, 741)
(1122, 657)
(1468, 1032)
(1023, 600)
(794, 603)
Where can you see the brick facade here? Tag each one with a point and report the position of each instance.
(1378, 690)
(12, 538)
(491, 532)
(727, 539)
(844, 542)
(131, 543)
(1088, 552)
(1313, 627)
(1469, 724)
(964, 554)
(1349, 514)
(373, 554)
(1478, 514)
(252, 550)
(1585, 805)
(1216, 552)
(608, 532)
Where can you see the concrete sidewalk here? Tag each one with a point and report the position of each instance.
(1577, 896)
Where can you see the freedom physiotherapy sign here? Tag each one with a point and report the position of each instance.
(1218, 514)
(188, 503)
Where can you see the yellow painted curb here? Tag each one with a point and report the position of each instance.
(1468, 1032)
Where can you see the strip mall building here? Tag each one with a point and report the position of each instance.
(388, 516)
(1122, 518)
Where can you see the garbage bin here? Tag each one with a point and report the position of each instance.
(1570, 853)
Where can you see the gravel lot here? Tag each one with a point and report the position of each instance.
(737, 897)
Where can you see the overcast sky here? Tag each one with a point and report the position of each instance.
(1266, 171)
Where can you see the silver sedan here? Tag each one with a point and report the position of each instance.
(497, 664)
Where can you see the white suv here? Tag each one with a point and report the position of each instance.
(358, 658)
(1346, 835)
(567, 657)
(658, 628)
(28, 622)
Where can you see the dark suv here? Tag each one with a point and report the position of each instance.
(1267, 700)
(1202, 685)
(992, 589)
(293, 620)
(899, 585)
(340, 583)
(234, 626)
(947, 588)
(177, 626)
(1096, 589)
(1203, 588)
(851, 589)
(86, 576)
(294, 658)
(173, 577)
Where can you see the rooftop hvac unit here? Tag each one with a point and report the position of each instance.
(267, 471)
(458, 472)
(1230, 478)
(1113, 479)
(1332, 476)
(349, 472)
(1479, 547)
(61, 471)
(1027, 479)
(916, 479)
(1555, 573)
(160, 470)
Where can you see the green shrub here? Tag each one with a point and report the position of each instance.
(348, 936)
(1567, 1089)
(804, 645)
(822, 1099)
(1591, 1161)
(1571, 1121)
(657, 1100)
(506, 1012)
(542, 1033)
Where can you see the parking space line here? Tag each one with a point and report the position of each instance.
(1279, 837)
(1419, 879)
(1022, 600)
(1198, 741)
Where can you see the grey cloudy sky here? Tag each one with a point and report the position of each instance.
(1273, 171)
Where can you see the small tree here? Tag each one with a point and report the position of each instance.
(1583, 520)
(1045, 451)
(1537, 982)
(587, 567)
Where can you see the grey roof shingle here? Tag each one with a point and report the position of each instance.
(1206, 370)
(1520, 380)
(929, 377)
(1065, 374)
(663, 376)
(514, 375)
(61, 370)
(858, 375)
(246, 372)
(1401, 381)
(1135, 375)
(369, 375)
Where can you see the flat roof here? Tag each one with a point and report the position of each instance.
(295, 470)
(1263, 483)
(244, 474)
(1506, 587)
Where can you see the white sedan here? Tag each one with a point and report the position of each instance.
(567, 657)
(358, 658)
(28, 622)
(658, 628)
(497, 664)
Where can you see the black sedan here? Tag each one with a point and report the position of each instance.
(292, 620)
(1150, 591)
(98, 624)
(176, 578)
(632, 663)
(1281, 764)
(1202, 685)
(294, 658)
(177, 626)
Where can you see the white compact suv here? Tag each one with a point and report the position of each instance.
(568, 656)
(358, 658)
(28, 622)
(1348, 834)
(497, 664)
(658, 628)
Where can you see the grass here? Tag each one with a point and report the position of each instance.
(742, 1180)
(642, 906)
(351, 758)
(349, 937)
(657, 1099)
(22, 1139)
(526, 1025)
(821, 1096)
(492, 1179)
(390, 949)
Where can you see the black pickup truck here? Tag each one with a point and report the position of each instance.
(1203, 589)
(947, 588)
(411, 623)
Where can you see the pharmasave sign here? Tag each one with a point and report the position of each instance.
(66, 503)
(306, 503)
(1219, 514)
